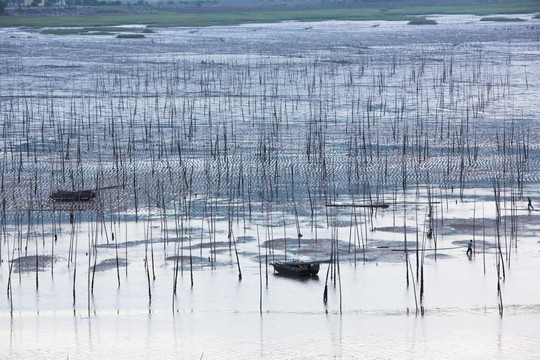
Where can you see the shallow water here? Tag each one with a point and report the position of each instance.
(274, 335)
(371, 312)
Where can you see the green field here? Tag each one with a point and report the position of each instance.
(209, 18)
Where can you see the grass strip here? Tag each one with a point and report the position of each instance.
(104, 30)
(421, 21)
(500, 19)
(130, 36)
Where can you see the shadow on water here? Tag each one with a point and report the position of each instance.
(296, 277)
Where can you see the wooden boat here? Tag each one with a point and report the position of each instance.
(297, 268)
(64, 195)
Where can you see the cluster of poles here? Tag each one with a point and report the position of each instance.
(191, 143)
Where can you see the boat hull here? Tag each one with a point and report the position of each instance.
(83, 195)
(297, 268)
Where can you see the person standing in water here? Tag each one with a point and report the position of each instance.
(469, 248)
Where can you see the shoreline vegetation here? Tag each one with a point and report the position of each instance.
(422, 21)
(223, 14)
(501, 19)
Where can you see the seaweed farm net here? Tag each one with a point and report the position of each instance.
(207, 117)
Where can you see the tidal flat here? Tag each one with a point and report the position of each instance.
(377, 148)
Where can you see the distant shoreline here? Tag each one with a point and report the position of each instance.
(235, 13)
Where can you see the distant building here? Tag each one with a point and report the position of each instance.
(28, 3)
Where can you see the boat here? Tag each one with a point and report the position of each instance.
(65, 195)
(297, 267)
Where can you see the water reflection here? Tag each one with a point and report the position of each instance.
(296, 277)
(275, 335)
